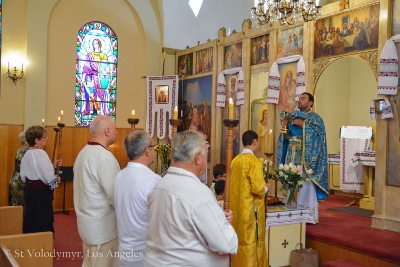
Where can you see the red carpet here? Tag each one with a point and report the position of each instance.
(347, 230)
(67, 243)
(353, 231)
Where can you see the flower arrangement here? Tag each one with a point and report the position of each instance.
(291, 177)
(164, 152)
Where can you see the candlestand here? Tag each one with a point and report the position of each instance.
(229, 156)
(175, 124)
(133, 123)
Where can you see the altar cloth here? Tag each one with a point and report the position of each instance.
(292, 216)
(365, 158)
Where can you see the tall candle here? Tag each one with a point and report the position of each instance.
(176, 113)
(42, 122)
(270, 142)
(62, 116)
(230, 109)
(133, 113)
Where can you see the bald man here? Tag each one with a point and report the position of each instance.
(94, 171)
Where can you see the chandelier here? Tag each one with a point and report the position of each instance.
(285, 11)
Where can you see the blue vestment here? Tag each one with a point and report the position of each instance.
(307, 147)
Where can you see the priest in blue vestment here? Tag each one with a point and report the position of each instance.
(305, 145)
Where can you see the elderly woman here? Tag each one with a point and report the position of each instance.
(16, 185)
(37, 172)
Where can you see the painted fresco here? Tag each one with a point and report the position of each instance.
(347, 33)
(260, 50)
(290, 42)
(233, 56)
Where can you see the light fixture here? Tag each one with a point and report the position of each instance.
(285, 11)
(14, 74)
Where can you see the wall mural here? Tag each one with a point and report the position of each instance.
(347, 33)
(233, 56)
(185, 64)
(290, 42)
(195, 102)
(259, 50)
(204, 60)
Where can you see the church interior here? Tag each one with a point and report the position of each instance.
(210, 51)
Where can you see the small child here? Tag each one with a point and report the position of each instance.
(219, 191)
(219, 172)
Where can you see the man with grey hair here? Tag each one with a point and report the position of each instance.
(94, 171)
(186, 227)
(131, 187)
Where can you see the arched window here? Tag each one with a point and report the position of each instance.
(96, 72)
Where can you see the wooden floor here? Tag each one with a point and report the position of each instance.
(329, 252)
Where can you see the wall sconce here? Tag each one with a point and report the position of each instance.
(14, 75)
(379, 105)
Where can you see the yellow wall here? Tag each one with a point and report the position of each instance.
(44, 31)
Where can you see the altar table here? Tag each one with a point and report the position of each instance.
(367, 159)
(285, 229)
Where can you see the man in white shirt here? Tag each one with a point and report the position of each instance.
(131, 187)
(186, 227)
(94, 171)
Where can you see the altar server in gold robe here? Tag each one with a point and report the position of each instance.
(247, 193)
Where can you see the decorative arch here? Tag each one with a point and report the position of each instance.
(369, 57)
(96, 73)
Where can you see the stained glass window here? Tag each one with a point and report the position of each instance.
(96, 72)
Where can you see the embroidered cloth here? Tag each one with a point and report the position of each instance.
(221, 89)
(161, 109)
(277, 218)
(274, 79)
(386, 109)
(388, 68)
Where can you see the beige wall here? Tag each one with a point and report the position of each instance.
(45, 33)
(343, 96)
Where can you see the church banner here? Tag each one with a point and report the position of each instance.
(162, 97)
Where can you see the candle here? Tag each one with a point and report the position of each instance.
(62, 116)
(42, 122)
(176, 113)
(270, 142)
(59, 120)
(133, 113)
(230, 109)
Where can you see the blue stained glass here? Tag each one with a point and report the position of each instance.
(96, 73)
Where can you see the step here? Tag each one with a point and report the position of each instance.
(342, 263)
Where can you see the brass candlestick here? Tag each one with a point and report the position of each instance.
(175, 124)
(229, 155)
(133, 123)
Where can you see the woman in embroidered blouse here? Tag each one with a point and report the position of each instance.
(37, 172)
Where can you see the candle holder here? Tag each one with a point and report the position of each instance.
(229, 156)
(133, 123)
(175, 124)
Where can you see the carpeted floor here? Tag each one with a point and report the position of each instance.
(341, 228)
(353, 231)
(67, 241)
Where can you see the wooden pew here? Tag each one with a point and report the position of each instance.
(19, 249)
(11, 220)
(34, 250)
(6, 258)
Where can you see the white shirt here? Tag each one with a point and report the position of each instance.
(36, 165)
(131, 187)
(186, 226)
(95, 169)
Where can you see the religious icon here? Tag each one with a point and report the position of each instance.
(161, 94)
